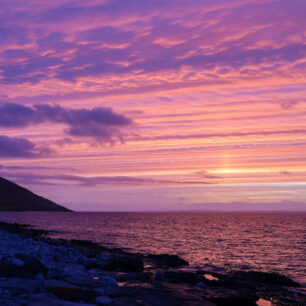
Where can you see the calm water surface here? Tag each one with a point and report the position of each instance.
(261, 241)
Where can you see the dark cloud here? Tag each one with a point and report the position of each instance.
(102, 124)
(21, 147)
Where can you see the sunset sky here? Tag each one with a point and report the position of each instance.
(118, 105)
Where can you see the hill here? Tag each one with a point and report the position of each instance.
(16, 198)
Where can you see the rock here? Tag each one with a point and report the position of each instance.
(103, 300)
(135, 277)
(32, 264)
(84, 279)
(103, 256)
(18, 286)
(17, 262)
(73, 294)
(93, 263)
(166, 260)
(9, 269)
(39, 277)
(83, 260)
(108, 281)
(130, 263)
(201, 284)
(49, 283)
(48, 299)
(228, 297)
(258, 278)
(159, 275)
(184, 277)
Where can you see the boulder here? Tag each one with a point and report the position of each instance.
(184, 277)
(258, 278)
(228, 297)
(166, 260)
(126, 263)
(32, 264)
(24, 266)
(73, 294)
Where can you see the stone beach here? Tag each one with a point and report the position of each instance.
(38, 270)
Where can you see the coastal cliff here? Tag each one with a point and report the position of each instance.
(16, 198)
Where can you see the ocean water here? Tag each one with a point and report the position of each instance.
(273, 242)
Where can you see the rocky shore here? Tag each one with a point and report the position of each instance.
(38, 270)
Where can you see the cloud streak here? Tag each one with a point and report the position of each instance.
(32, 178)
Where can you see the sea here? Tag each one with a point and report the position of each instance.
(270, 242)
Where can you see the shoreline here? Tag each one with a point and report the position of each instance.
(36, 269)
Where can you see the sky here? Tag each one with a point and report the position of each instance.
(132, 105)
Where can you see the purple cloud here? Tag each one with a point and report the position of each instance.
(102, 124)
(20, 147)
(107, 35)
(159, 36)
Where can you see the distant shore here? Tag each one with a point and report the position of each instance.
(38, 270)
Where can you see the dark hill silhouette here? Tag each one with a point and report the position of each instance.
(16, 198)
